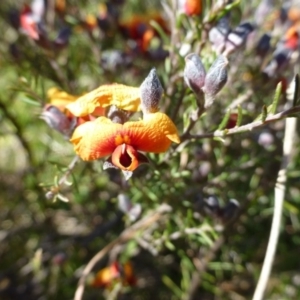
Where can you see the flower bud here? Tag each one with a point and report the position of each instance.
(211, 205)
(118, 115)
(215, 79)
(194, 73)
(264, 45)
(62, 38)
(219, 33)
(238, 37)
(150, 93)
(57, 120)
(190, 7)
(230, 211)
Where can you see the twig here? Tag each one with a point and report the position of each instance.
(126, 235)
(186, 231)
(244, 128)
(69, 170)
(280, 188)
(194, 116)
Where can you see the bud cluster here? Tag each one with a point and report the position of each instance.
(205, 85)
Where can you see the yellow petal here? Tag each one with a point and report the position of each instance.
(152, 134)
(122, 96)
(164, 124)
(60, 98)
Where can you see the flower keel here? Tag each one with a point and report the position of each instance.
(125, 157)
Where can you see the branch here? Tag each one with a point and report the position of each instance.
(244, 128)
(126, 235)
(280, 187)
(69, 170)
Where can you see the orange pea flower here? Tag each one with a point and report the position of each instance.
(123, 139)
(102, 137)
(139, 29)
(58, 117)
(114, 273)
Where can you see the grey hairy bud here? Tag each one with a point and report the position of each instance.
(150, 93)
(215, 79)
(58, 121)
(194, 73)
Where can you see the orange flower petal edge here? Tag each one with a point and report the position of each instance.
(122, 96)
(99, 138)
(95, 139)
(152, 134)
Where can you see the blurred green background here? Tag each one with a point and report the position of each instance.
(192, 252)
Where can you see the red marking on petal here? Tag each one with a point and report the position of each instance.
(125, 157)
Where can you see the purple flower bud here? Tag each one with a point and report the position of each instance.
(58, 121)
(263, 45)
(280, 60)
(150, 93)
(215, 79)
(218, 34)
(237, 37)
(62, 38)
(194, 73)
(230, 211)
(211, 205)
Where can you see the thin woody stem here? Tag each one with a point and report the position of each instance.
(194, 117)
(280, 188)
(125, 236)
(69, 170)
(244, 128)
